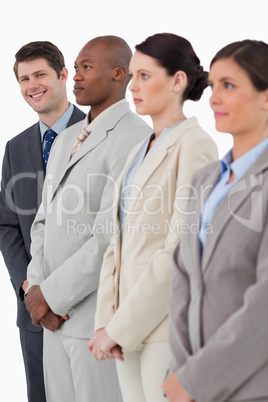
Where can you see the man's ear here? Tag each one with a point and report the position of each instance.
(120, 73)
(64, 74)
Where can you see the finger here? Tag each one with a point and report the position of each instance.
(118, 354)
(35, 322)
(46, 324)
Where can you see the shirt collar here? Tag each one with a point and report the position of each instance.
(60, 124)
(92, 124)
(241, 165)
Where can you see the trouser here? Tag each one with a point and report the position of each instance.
(72, 374)
(32, 351)
(143, 371)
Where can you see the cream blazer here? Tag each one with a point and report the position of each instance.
(134, 290)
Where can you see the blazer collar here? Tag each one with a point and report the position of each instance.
(207, 180)
(151, 164)
(99, 134)
(228, 208)
(33, 150)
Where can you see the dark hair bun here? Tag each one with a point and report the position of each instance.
(196, 85)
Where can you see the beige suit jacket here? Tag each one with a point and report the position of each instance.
(135, 277)
(73, 227)
(219, 303)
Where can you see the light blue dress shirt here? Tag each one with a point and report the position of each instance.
(239, 168)
(59, 126)
(141, 156)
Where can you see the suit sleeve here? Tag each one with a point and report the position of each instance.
(240, 343)
(178, 311)
(78, 276)
(11, 240)
(145, 307)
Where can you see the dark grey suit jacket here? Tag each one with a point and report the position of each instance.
(20, 197)
(219, 303)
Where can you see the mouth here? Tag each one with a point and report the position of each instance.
(136, 101)
(218, 115)
(37, 95)
(77, 89)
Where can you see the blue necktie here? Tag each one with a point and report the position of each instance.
(49, 137)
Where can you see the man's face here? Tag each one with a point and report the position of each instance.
(40, 86)
(94, 72)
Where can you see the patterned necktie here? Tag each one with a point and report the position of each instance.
(84, 133)
(49, 137)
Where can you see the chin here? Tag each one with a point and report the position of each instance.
(141, 111)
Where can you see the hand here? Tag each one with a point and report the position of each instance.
(24, 285)
(174, 391)
(103, 347)
(36, 304)
(52, 321)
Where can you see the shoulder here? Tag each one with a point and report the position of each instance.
(124, 117)
(76, 116)
(194, 141)
(24, 135)
(130, 130)
(14, 145)
(203, 172)
(195, 132)
(133, 125)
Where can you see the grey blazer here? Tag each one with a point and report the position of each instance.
(20, 197)
(74, 223)
(219, 303)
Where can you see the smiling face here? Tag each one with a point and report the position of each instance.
(41, 88)
(239, 108)
(152, 89)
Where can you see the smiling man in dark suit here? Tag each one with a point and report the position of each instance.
(40, 70)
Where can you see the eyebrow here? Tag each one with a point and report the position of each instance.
(34, 73)
(141, 70)
(84, 61)
(223, 79)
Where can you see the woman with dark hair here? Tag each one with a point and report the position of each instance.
(132, 309)
(219, 301)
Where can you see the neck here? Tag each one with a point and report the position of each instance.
(98, 109)
(242, 145)
(166, 121)
(51, 117)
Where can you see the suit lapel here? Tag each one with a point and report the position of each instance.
(231, 204)
(98, 135)
(93, 140)
(152, 163)
(204, 187)
(33, 150)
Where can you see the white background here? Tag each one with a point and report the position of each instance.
(207, 24)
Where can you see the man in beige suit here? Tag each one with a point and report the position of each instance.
(73, 227)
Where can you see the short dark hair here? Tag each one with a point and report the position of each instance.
(40, 50)
(176, 53)
(252, 56)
